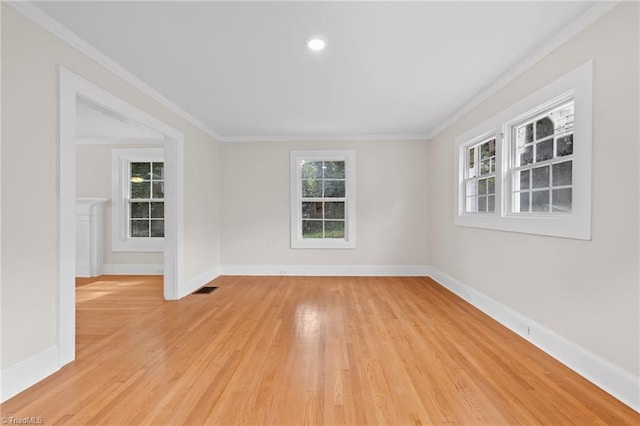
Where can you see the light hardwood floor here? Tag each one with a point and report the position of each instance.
(304, 350)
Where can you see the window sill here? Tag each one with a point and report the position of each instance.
(566, 226)
(322, 244)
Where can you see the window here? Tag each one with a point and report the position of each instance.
(480, 176)
(521, 171)
(138, 200)
(541, 164)
(322, 199)
(145, 199)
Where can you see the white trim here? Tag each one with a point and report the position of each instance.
(28, 372)
(121, 158)
(57, 29)
(577, 224)
(581, 22)
(70, 87)
(132, 269)
(127, 141)
(325, 138)
(200, 280)
(614, 380)
(329, 270)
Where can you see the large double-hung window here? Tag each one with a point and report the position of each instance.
(322, 199)
(138, 199)
(542, 159)
(480, 176)
(528, 169)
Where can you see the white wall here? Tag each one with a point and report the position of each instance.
(93, 180)
(586, 291)
(391, 205)
(30, 56)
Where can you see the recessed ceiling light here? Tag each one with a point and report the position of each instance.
(317, 44)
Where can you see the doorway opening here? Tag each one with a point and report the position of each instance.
(75, 94)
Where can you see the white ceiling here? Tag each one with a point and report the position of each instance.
(390, 69)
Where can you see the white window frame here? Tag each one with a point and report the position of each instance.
(349, 242)
(476, 142)
(577, 224)
(121, 160)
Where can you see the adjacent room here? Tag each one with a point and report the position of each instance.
(330, 213)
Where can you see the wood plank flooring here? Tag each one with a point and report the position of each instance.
(304, 351)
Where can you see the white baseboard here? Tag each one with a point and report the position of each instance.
(328, 270)
(614, 380)
(132, 269)
(192, 284)
(28, 372)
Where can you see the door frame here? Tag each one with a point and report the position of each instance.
(70, 87)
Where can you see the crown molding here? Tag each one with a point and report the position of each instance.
(324, 138)
(36, 15)
(581, 22)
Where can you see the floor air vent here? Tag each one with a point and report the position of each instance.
(204, 290)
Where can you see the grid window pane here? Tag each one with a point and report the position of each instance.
(562, 200)
(472, 204)
(526, 156)
(139, 210)
(563, 118)
(529, 133)
(157, 228)
(157, 210)
(491, 203)
(524, 179)
(524, 202)
(140, 228)
(485, 167)
(158, 190)
(544, 150)
(544, 128)
(334, 189)
(141, 171)
(484, 151)
(482, 204)
(491, 185)
(482, 186)
(312, 210)
(472, 188)
(334, 170)
(562, 173)
(312, 170)
(540, 201)
(471, 156)
(311, 188)
(140, 189)
(312, 229)
(334, 210)
(564, 146)
(334, 229)
(158, 171)
(540, 177)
